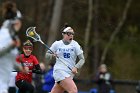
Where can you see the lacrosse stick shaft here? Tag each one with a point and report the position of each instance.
(46, 46)
(64, 63)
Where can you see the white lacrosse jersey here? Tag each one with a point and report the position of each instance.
(5, 38)
(67, 54)
(6, 61)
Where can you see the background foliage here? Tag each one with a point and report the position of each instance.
(123, 55)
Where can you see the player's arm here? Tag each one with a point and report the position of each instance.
(50, 56)
(6, 49)
(19, 65)
(79, 64)
(37, 69)
(81, 61)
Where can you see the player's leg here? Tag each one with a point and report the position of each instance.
(57, 89)
(69, 85)
(12, 90)
(24, 87)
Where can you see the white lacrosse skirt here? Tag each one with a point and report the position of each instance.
(61, 75)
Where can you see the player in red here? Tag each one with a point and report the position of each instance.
(30, 63)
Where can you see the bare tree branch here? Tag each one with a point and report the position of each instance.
(88, 28)
(116, 31)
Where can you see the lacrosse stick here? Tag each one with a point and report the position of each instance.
(30, 32)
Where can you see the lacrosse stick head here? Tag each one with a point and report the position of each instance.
(30, 32)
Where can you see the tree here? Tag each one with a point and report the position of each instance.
(88, 27)
(96, 37)
(116, 31)
(55, 21)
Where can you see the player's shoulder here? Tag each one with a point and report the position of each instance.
(32, 56)
(4, 31)
(58, 42)
(75, 42)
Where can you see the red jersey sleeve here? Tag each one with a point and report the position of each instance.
(35, 60)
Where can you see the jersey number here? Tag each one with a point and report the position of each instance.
(66, 55)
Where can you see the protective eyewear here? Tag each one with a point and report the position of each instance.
(69, 33)
(28, 48)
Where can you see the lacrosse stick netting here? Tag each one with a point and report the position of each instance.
(30, 32)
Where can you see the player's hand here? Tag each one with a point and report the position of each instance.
(74, 70)
(101, 76)
(54, 55)
(25, 70)
(17, 42)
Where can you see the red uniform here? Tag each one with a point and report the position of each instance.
(29, 62)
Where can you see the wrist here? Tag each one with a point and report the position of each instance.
(76, 67)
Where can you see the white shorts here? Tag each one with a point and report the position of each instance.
(3, 87)
(4, 91)
(61, 75)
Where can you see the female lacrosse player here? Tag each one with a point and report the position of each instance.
(23, 80)
(9, 42)
(66, 52)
